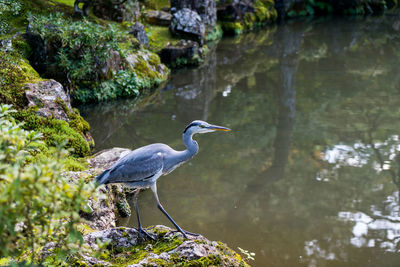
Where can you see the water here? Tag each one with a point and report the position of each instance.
(308, 175)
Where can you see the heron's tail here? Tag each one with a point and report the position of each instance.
(102, 178)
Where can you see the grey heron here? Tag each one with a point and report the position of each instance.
(142, 167)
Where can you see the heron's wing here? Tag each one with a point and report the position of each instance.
(134, 168)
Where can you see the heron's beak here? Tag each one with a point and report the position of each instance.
(218, 128)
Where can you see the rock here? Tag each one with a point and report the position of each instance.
(106, 158)
(112, 65)
(158, 17)
(119, 236)
(102, 216)
(5, 45)
(103, 209)
(148, 63)
(243, 15)
(185, 51)
(234, 11)
(188, 24)
(120, 11)
(139, 32)
(46, 95)
(205, 8)
(169, 249)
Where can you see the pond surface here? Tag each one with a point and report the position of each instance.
(310, 173)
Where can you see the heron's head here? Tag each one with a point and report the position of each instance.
(203, 127)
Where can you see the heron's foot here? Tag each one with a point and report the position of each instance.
(185, 233)
(143, 234)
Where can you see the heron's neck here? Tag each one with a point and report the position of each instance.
(191, 145)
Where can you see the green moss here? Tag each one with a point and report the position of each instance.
(230, 27)
(214, 34)
(85, 229)
(74, 164)
(15, 72)
(54, 131)
(159, 37)
(129, 43)
(143, 70)
(65, 2)
(156, 4)
(211, 260)
(19, 22)
(4, 261)
(159, 262)
(166, 245)
(154, 59)
(125, 256)
(264, 13)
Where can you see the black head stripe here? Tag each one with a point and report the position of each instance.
(190, 125)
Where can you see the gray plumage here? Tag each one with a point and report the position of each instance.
(143, 166)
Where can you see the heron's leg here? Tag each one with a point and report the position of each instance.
(140, 229)
(154, 189)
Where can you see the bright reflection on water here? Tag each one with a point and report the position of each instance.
(309, 175)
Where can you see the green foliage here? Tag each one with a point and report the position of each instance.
(264, 13)
(214, 34)
(8, 8)
(82, 47)
(324, 7)
(37, 204)
(123, 84)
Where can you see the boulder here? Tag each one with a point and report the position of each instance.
(235, 11)
(103, 209)
(112, 65)
(5, 45)
(146, 63)
(185, 51)
(46, 96)
(169, 249)
(205, 8)
(106, 158)
(120, 11)
(187, 24)
(157, 17)
(139, 32)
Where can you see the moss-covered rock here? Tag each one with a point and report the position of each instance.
(123, 248)
(235, 18)
(15, 72)
(184, 53)
(54, 131)
(104, 210)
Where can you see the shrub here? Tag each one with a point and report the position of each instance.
(8, 8)
(80, 48)
(37, 204)
(123, 84)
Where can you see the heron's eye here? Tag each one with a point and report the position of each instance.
(202, 126)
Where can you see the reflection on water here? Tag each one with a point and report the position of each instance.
(310, 174)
